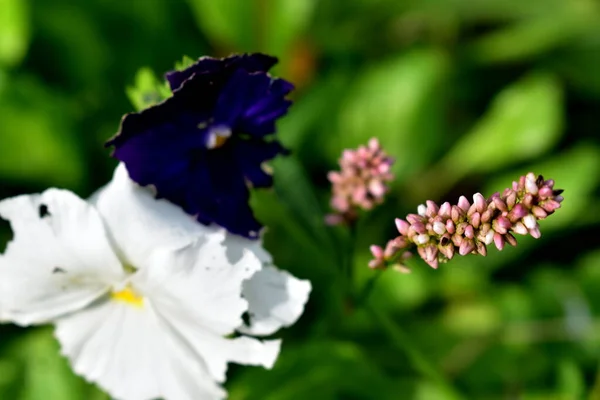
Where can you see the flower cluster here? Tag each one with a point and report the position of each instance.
(360, 183)
(147, 302)
(440, 232)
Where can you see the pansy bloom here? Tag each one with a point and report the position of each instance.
(147, 303)
(205, 145)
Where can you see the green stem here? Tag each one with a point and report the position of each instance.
(348, 271)
(419, 361)
(364, 294)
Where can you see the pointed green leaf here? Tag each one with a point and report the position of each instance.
(523, 122)
(14, 31)
(229, 23)
(398, 102)
(148, 90)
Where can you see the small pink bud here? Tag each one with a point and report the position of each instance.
(535, 232)
(432, 208)
(476, 220)
(377, 188)
(510, 239)
(456, 213)
(422, 239)
(488, 238)
(530, 184)
(445, 210)
(529, 221)
(414, 218)
(447, 251)
(511, 199)
(545, 192)
(377, 251)
(463, 203)
(501, 225)
(450, 226)
(481, 249)
(539, 212)
(499, 241)
(469, 232)
(466, 247)
(550, 206)
(402, 226)
(500, 204)
(439, 227)
(520, 228)
(517, 213)
(374, 143)
(419, 227)
(479, 202)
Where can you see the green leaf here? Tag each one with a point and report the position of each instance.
(286, 21)
(14, 31)
(533, 37)
(148, 89)
(523, 122)
(571, 382)
(229, 23)
(185, 62)
(397, 101)
(311, 109)
(295, 190)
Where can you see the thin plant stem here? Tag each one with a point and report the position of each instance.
(402, 341)
(367, 289)
(396, 335)
(348, 270)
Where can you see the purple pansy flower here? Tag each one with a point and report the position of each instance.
(204, 146)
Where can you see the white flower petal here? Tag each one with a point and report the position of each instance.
(131, 355)
(138, 223)
(275, 299)
(197, 292)
(59, 260)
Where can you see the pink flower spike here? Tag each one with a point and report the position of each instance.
(439, 233)
(361, 182)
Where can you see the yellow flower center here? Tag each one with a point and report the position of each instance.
(218, 135)
(129, 296)
(219, 141)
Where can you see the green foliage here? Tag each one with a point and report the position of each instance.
(466, 95)
(148, 90)
(14, 31)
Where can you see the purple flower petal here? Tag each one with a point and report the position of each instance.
(204, 147)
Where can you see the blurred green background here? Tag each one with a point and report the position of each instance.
(465, 94)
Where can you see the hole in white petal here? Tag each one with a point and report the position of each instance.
(246, 318)
(58, 270)
(43, 211)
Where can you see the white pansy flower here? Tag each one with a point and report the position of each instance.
(144, 298)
